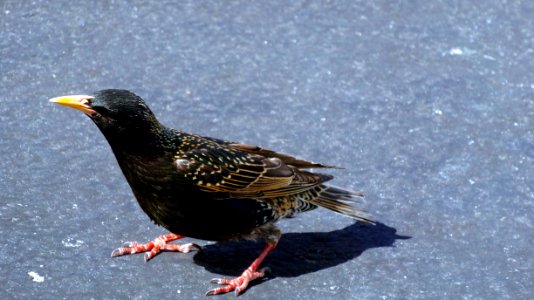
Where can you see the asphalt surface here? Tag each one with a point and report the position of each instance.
(429, 106)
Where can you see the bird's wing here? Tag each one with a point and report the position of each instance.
(287, 159)
(244, 171)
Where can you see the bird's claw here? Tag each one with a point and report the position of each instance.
(238, 284)
(154, 247)
(124, 249)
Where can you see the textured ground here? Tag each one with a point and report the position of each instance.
(428, 105)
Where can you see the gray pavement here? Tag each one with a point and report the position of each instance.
(428, 105)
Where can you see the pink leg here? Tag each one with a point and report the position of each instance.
(239, 284)
(159, 244)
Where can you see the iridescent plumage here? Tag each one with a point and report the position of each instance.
(207, 188)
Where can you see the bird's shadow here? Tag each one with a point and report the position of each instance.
(299, 253)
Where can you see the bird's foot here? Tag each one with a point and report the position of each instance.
(238, 284)
(154, 247)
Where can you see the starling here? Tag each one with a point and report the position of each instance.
(206, 188)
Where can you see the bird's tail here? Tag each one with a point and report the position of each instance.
(340, 201)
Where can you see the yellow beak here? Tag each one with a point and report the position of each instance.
(79, 102)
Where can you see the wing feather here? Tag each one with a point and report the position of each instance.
(245, 171)
(228, 168)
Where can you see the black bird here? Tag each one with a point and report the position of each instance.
(206, 188)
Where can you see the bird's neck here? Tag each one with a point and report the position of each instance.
(141, 142)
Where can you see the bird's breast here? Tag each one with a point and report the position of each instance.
(154, 181)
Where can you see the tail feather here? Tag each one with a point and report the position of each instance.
(339, 200)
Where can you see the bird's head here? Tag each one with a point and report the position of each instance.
(120, 114)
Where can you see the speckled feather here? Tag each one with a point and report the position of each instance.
(222, 174)
(207, 188)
